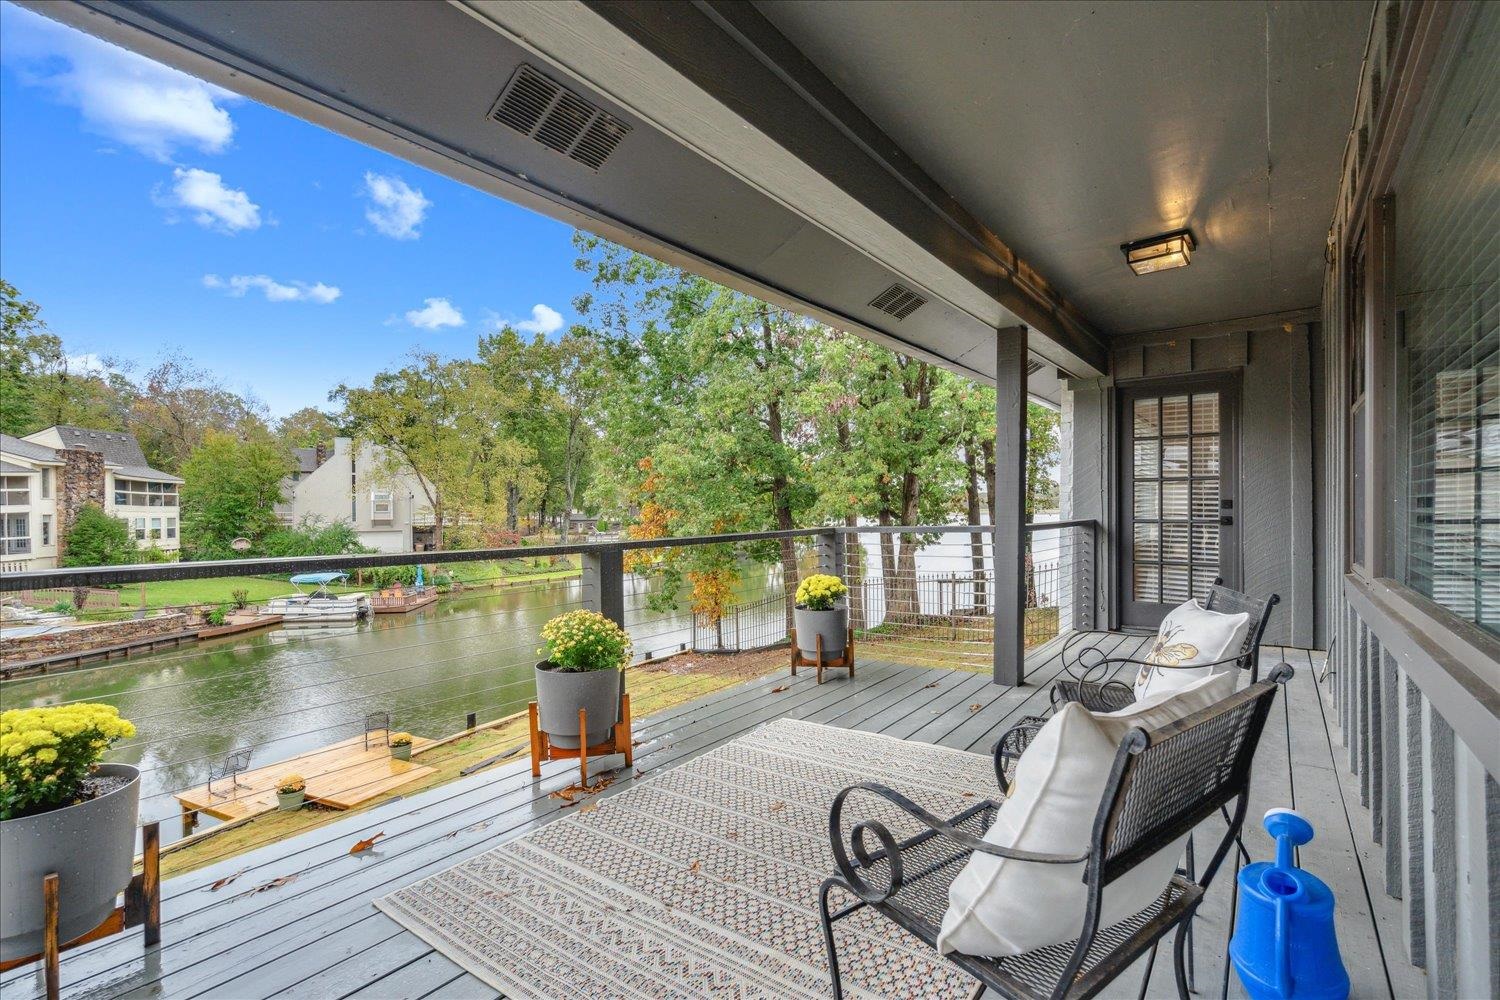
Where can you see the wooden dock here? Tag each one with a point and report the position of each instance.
(396, 601)
(238, 625)
(341, 775)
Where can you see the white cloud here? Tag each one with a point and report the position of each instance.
(152, 108)
(396, 208)
(213, 205)
(436, 314)
(544, 320)
(275, 291)
(86, 364)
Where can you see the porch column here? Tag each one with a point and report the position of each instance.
(1009, 550)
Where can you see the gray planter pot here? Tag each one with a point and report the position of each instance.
(90, 846)
(290, 801)
(401, 753)
(832, 625)
(561, 693)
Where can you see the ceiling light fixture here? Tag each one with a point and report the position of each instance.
(1159, 253)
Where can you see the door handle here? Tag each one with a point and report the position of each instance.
(1226, 520)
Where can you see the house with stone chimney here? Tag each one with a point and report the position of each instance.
(353, 483)
(46, 478)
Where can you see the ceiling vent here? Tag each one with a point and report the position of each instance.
(898, 301)
(559, 119)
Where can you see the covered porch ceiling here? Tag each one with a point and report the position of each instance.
(990, 158)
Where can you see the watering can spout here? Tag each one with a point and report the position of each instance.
(1284, 944)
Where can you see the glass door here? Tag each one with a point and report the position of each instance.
(1179, 478)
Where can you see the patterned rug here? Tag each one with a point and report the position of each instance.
(699, 881)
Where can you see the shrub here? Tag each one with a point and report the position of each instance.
(62, 607)
(218, 616)
(291, 784)
(96, 539)
(401, 739)
(585, 640)
(46, 753)
(241, 598)
(820, 592)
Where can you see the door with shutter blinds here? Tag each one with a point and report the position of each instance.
(1179, 512)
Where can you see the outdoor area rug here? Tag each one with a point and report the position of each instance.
(699, 881)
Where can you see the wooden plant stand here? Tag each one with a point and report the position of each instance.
(142, 907)
(845, 662)
(618, 742)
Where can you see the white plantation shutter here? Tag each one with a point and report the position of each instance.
(1447, 249)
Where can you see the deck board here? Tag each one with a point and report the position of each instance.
(319, 935)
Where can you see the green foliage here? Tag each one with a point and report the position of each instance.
(310, 538)
(241, 598)
(218, 616)
(390, 576)
(230, 489)
(306, 428)
(62, 607)
(96, 539)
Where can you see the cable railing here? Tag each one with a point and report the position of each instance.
(920, 594)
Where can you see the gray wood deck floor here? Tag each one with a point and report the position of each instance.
(317, 934)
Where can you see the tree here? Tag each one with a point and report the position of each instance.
(306, 428)
(1043, 452)
(26, 350)
(231, 487)
(312, 538)
(179, 404)
(97, 539)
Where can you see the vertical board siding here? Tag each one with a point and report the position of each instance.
(1492, 870)
(1391, 772)
(1414, 888)
(1442, 871)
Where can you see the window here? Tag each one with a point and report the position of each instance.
(382, 505)
(46, 484)
(140, 529)
(155, 528)
(139, 493)
(15, 491)
(1447, 211)
(171, 527)
(46, 529)
(17, 533)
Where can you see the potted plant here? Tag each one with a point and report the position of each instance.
(401, 746)
(585, 652)
(290, 791)
(62, 811)
(821, 611)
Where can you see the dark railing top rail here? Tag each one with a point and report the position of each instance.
(101, 576)
(952, 529)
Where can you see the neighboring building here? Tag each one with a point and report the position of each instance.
(390, 513)
(46, 478)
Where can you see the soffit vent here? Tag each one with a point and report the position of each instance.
(559, 119)
(1032, 367)
(898, 301)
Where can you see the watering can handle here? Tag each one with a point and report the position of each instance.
(1290, 830)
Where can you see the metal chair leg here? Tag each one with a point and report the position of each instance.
(1178, 954)
(828, 945)
(1150, 964)
(1192, 874)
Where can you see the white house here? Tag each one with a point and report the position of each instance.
(46, 478)
(352, 484)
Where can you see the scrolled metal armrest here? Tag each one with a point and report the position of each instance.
(1012, 743)
(891, 848)
(1091, 694)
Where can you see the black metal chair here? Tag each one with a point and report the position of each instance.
(1162, 785)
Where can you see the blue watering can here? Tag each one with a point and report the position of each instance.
(1284, 945)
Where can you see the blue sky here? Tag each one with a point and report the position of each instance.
(147, 212)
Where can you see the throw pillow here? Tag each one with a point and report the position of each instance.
(1188, 636)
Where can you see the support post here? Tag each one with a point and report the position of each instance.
(1010, 505)
(831, 553)
(604, 581)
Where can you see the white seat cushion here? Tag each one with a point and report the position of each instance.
(999, 907)
(1189, 635)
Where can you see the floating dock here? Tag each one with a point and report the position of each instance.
(397, 601)
(340, 776)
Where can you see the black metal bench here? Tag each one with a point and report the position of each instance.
(1162, 785)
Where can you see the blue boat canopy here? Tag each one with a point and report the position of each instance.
(319, 578)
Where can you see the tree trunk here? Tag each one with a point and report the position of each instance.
(437, 526)
(908, 601)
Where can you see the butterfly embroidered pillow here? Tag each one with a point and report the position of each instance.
(1190, 636)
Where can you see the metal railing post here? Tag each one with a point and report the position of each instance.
(604, 581)
(830, 545)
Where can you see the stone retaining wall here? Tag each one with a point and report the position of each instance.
(87, 637)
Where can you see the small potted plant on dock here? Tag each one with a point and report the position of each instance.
(585, 652)
(401, 746)
(821, 610)
(290, 792)
(62, 811)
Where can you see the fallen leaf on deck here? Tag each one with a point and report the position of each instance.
(636, 743)
(776, 807)
(976, 706)
(778, 690)
(640, 774)
(588, 807)
(366, 844)
(221, 883)
(275, 883)
(695, 867)
(932, 685)
(967, 795)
